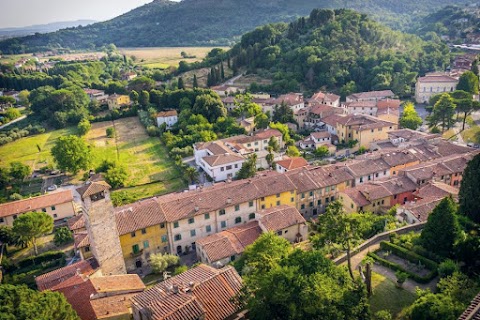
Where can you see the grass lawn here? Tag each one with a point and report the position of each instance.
(472, 134)
(25, 149)
(162, 58)
(386, 296)
(449, 134)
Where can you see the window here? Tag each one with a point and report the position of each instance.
(223, 224)
(237, 207)
(222, 169)
(383, 201)
(263, 206)
(395, 196)
(53, 208)
(302, 206)
(207, 216)
(292, 199)
(193, 233)
(232, 258)
(250, 204)
(208, 228)
(135, 248)
(311, 193)
(14, 217)
(278, 203)
(310, 204)
(164, 238)
(146, 244)
(229, 167)
(327, 189)
(394, 172)
(384, 172)
(319, 202)
(133, 234)
(327, 200)
(191, 220)
(2, 220)
(374, 204)
(351, 205)
(144, 231)
(222, 212)
(332, 198)
(249, 145)
(369, 178)
(162, 225)
(55, 215)
(348, 183)
(262, 198)
(279, 232)
(361, 179)
(175, 224)
(236, 166)
(177, 237)
(278, 195)
(303, 195)
(376, 174)
(238, 220)
(251, 216)
(256, 143)
(44, 210)
(87, 249)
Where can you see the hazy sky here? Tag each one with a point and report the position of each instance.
(19, 13)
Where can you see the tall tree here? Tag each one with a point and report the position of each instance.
(19, 170)
(192, 174)
(84, 126)
(245, 107)
(144, 98)
(31, 226)
(283, 113)
(180, 83)
(443, 112)
(195, 81)
(475, 67)
(134, 96)
(410, 118)
(442, 229)
(262, 120)
(249, 168)
(210, 106)
(468, 82)
(336, 227)
(273, 143)
(22, 303)
(292, 151)
(469, 193)
(222, 71)
(71, 154)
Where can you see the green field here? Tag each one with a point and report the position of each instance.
(471, 135)
(151, 171)
(386, 296)
(26, 150)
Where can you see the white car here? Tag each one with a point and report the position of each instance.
(53, 187)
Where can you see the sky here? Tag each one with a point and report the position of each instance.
(20, 13)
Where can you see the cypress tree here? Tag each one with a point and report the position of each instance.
(469, 195)
(195, 81)
(222, 71)
(442, 228)
(180, 83)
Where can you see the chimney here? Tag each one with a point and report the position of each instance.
(175, 289)
(229, 200)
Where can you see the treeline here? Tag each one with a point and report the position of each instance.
(341, 50)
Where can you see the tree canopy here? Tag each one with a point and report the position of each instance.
(32, 225)
(469, 193)
(71, 154)
(410, 118)
(468, 82)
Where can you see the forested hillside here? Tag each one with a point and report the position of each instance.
(208, 22)
(459, 24)
(340, 50)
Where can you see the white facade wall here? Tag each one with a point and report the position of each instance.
(223, 172)
(170, 121)
(425, 90)
(372, 177)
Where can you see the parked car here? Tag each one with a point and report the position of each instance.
(53, 187)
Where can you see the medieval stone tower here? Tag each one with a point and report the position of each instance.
(102, 228)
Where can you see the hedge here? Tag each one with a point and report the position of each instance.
(47, 256)
(396, 267)
(409, 255)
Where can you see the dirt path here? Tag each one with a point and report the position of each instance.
(409, 284)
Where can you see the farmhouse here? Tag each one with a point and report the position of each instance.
(170, 118)
(116, 101)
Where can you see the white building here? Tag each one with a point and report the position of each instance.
(97, 95)
(433, 84)
(222, 167)
(169, 117)
(371, 96)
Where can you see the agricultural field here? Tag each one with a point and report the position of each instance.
(163, 57)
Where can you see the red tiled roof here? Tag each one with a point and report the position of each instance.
(365, 167)
(169, 113)
(117, 283)
(371, 94)
(77, 222)
(48, 280)
(202, 292)
(389, 103)
(222, 159)
(473, 310)
(293, 163)
(229, 242)
(138, 215)
(78, 295)
(321, 135)
(437, 78)
(36, 203)
(81, 240)
(108, 307)
(279, 218)
(93, 188)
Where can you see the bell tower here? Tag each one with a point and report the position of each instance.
(102, 227)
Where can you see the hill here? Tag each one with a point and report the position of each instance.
(456, 24)
(340, 50)
(41, 28)
(207, 22)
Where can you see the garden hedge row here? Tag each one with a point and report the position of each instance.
(396, 267)
(408, 255)
(44, 257)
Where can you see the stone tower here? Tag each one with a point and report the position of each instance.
(102, 227)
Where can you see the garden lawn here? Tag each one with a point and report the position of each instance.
(26, 151)
(386, 296)
(472, 134)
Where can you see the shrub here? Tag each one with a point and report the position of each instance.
(44, 257)
(62, 236)
(110, 132)
(401, 276)
(160, 262)
(409, 255)
(153, 131)
(447, 268)
(179, 270)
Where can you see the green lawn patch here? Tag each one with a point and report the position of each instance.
(386, 296)
(471, 135)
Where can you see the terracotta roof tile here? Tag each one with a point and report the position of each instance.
(138, 215)
(202, 292)
(223, 159)
(36, 203)
(372, 94)
(279, 218)
(93, 188)
(106, 308)
(169, 113)
(362, 168)
(473, 310)
(117, 283)
(53, 278)
(293, 163)
(81, 240)
(77, 222)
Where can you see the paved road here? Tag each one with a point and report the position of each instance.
(12, 122)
